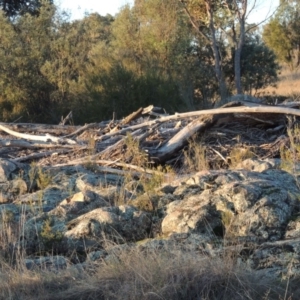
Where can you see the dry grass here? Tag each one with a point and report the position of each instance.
(288, 86)
(134, 273)
(140, 274)
(195, 156)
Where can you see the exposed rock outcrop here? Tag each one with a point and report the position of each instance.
(253, 211)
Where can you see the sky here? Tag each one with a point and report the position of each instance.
(103, 7)
(77, 8)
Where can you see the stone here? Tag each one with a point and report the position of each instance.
(242, 204)
(119, 224)
(6, 168)
(50, 263)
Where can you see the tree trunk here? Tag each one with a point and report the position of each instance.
(218, 69)
(241, 13)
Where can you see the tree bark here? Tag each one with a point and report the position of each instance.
(237, 58)
(218, 69)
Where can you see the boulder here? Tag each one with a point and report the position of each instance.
(6, 168)
(240, 204)
(51, 263)
(118, 224)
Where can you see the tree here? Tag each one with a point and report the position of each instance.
(219, 22)
(24, 49)
(202, 15)
(282, 34)
(20, 7)
(258, 65)
(148, 50)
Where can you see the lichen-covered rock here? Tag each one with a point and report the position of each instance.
(277, 259)
(246, 204)
(120, 224)
(50, 263)
(259, 165)
(96, 181)
(6, 168)
(43, 200)
(78, 204)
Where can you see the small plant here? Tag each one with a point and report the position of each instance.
(50, 237)
(44, 179)
(134, 154)
(89, 164)
(39, 177)
(157, 179)
(291, 155)
(195, 156)
(239, 154)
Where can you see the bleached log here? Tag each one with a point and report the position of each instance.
(29, 145)
(43, 138)
(240, 109)
(179, 140)
(79, 130)
(132, 116)
(252, 108)
(109, 162)
(69, 117)
(33, 156)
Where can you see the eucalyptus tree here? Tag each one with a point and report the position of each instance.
(282, 33)
(24, 48)
(12, 8)
(150, 41)
(217, 23)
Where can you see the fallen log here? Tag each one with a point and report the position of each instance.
(162, 138)
(178, 141)
(42, 138)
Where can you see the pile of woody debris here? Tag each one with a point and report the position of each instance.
(162, 137)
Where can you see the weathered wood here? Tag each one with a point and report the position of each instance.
(161, 138)
(180, 139)
(34, 156)
(42, 138)
(30, 145)
(69, 117)
(79, 130)
(114, 163)
(132, 116)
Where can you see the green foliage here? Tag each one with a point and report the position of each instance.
(258, 65)
(21, 7)
(102, 65)
(290, 155)
(49, 237)
(195, 156)
(121, 91)
(24, 48)
(282, 33)
(38, 177)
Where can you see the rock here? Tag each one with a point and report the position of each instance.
(259, 165)
(187, 189)
(241, 204)
(50, 197)
(123, 223)
(6, 168)
(50, 263)
(79, 204)
(190, 215)
(277, 259)
(96, 255)
(96, 181)
(168, 189)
